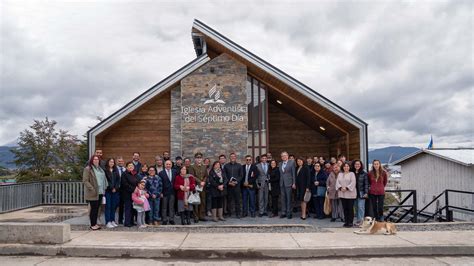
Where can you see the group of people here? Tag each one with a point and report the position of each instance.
(155, 194)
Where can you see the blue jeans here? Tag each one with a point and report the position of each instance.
(360, 209)
(154, 209)
(248, 201)
(111, 203)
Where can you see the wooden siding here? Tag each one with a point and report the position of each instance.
(430, 175)
(287, 133)
(146, 130)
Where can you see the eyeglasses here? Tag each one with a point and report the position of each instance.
(248, 159)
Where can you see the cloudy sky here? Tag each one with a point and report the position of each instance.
(405, 68)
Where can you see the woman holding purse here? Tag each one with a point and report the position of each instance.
(184, 185)
(318, 188)
(302, 185)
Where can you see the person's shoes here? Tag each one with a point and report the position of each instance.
(188, 217)
(172, 222)
(245, 215)
(209, 214)
(164, 223)
(282, 216)
(214, 215)
(289, 216)
(219, 214)
(303, 218)
(142, 226)
(265, 214)
(342, 220)
(109, 225)
(333, 220)
(181, 215)
(260, 214)
(114, 224)
(95, 227)
(203, 219)
(238, 216)
(156, 223)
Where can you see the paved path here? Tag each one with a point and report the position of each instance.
(339, 242)
(72, 261)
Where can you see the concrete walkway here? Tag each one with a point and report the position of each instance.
(179, 245)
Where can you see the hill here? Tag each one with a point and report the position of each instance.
(396, 152)
(6, 157)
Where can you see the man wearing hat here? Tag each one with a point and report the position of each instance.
(178, 162)
(199, 171)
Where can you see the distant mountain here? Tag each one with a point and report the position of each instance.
(6, 157)
(396, 152)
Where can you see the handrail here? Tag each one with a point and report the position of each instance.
(30, 194)
(412, 207)
(447, 206)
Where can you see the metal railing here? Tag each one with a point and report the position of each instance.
(25, 195)
(411, 207)
(447, 207)
(63, 193)
(20, 196)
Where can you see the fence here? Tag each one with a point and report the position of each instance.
(19, 196)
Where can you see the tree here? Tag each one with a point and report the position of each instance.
(44, 151)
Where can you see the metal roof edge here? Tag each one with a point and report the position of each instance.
(427, 151)
(145, 96)
(259, 62)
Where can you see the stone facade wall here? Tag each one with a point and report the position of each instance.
(214, 115)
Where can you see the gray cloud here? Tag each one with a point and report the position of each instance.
(406, 68)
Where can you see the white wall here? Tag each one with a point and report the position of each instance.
(430, 175)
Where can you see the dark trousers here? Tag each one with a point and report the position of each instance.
(248, 201)
(216, 202)
(376, 202)
(275, 204)
(318, 203)
(120, 207)
(348, 208)
(94, 211)
(111, 203)
(233, 201)
(127, 208)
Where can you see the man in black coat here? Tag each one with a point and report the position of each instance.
(234, 173)
(168, 176)
(249, 185)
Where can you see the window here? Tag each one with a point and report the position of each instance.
(257, 117)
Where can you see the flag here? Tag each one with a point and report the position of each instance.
(430, 145)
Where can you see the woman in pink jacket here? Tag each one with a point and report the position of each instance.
(346, 190)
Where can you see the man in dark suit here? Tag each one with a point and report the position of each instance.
(287, 183)
(234, 174)
(262, 182)
(249, 186)
(136, 162)
(120, 169)
(167, 176)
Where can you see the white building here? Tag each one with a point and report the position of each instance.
(432, 171)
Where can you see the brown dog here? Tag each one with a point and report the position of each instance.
(371, 226)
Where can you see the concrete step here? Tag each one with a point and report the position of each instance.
(179, 245)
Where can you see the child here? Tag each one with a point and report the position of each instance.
(154, 186)
(140, 203)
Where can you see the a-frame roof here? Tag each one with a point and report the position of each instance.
(158, 88)
(200, 48)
